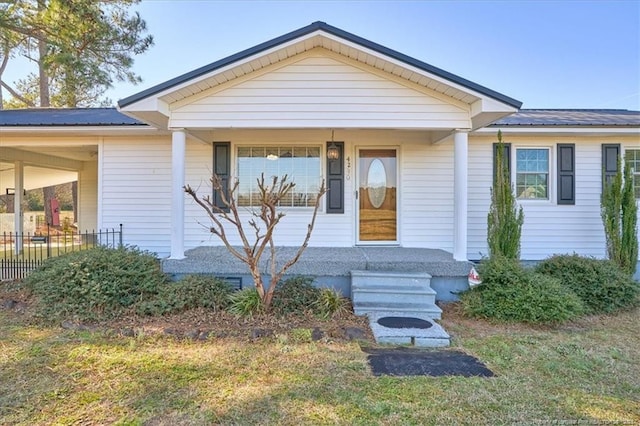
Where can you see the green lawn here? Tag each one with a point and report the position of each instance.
(588, 371)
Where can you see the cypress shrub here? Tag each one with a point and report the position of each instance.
(505, 218)
(619, 217)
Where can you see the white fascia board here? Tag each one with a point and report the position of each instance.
(147, 104)
(153, 111)
(555, 130)
(490, 105)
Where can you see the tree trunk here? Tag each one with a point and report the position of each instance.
(9, 203)
(49, 194)
(45, 99)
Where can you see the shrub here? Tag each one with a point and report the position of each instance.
(245, 303)
(505, 217)
(601, 284)
(99, 283)
(331, 303)
(193, 291)
(619, 216)
(295, 296)
(512, 293)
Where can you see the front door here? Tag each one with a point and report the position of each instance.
(377, 200)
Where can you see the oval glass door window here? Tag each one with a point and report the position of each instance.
(377, 183)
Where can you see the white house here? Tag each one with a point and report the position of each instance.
(414, 147)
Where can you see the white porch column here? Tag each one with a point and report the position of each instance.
(178, 148)
(460, 171)
(17, 205)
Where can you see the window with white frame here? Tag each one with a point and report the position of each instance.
(532, 173)
(632, 157)
(301, 164)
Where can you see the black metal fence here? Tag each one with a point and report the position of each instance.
(22, 253)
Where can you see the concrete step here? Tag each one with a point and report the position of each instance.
(371, 279)
(410, 292)
(407, 309)
(432, 337)
(395, 295)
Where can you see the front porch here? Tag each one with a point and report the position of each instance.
(332, 266)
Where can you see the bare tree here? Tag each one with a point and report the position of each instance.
(262, 225)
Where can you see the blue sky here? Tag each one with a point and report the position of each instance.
(547, 54)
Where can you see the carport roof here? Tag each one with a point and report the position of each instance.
(65, 117)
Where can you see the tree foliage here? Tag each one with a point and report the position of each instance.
(262, 225)
(619, 216)
(505, 218)
(80, 48)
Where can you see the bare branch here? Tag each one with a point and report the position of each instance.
(17, 95)
(271, 195)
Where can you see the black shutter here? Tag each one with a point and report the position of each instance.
(506, 159)
(566, 173)
(221, 167)
(610, 155)
(335, 181)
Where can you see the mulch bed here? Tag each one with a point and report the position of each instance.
(200, 324)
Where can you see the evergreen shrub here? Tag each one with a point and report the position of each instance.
(601, 285)
(193, 291)
(511, 293)
(295, 295)
(100, 283)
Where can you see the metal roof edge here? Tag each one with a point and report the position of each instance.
(37, 118)
(315, 26)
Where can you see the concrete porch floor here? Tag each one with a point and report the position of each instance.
(332, 265)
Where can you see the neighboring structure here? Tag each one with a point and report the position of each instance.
(411, 150)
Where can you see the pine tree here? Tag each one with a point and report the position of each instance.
(505, 218)
(80, 47)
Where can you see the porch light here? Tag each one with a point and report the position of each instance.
(333, 152)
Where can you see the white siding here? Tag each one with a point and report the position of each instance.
(88, 196)
(319, 91)
(548, 228)
(427, 195)
(136, 190)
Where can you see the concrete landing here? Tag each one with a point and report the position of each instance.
(432, 337)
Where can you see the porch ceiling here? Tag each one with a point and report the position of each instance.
(44, 165)
(34, 177)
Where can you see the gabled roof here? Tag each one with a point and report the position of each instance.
(571, 118)
(65, 117)
(301, 33)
